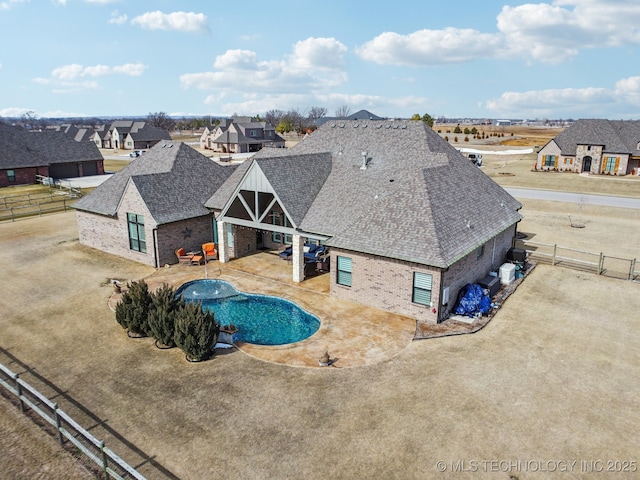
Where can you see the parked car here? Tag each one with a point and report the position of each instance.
(476, 158)
(136, 153)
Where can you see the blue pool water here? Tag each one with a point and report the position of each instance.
(261, 319)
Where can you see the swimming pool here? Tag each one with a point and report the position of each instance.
(261, 319)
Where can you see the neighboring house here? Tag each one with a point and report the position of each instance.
(408, 220)
(130, 135)
(153, 206)
(240, 135)
(26, 155)
(607, 147)
(359, 115)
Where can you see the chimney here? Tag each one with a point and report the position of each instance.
(364, 161)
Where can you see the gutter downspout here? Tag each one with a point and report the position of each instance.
(155, 248)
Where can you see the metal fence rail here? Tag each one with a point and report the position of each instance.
(66, 427)
(598, 263)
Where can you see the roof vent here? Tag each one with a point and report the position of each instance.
(364, 161)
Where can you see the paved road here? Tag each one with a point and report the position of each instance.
(587, 199)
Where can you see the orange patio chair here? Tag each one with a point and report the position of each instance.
(183, 258)
(209, 251)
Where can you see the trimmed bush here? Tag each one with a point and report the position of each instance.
(196, 331)
(132, 312)
(162, 315)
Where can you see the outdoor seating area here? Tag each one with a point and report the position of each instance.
(189, 258)
(312, 253)
(209, 252)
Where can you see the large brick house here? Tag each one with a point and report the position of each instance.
(25, 155)
(599, 147)
(407, 219)
(153, 206)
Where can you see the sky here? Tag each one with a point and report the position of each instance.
(555, 59)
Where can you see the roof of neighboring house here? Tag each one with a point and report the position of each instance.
(359, 115)
(22, 149)
(173, 179)
(149, 133)
(418, 199)
(615, 136)
(233, 132)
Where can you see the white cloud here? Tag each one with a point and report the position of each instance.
(7, 5)
(117, 19)
(75, 71)
(430, 47)
(178, 21)
(543, 32)
(305, 69)
(551, 33)
(318, 53)
(570, 102)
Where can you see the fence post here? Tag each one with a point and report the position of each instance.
(105, 466)
(19, 390)
(58, 424)
(555, 249)
(12, 217)
(632, 269)
(601, 264)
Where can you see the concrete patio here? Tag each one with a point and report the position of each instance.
(353, 334)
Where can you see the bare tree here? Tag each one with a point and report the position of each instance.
(161, 120)
(273, 117)
(316, 113)
(343, 111)
(295, 117)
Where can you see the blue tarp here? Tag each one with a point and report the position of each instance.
(472, 300)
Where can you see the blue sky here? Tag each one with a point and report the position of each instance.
(468, 58)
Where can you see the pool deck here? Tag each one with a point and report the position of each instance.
(353, 334)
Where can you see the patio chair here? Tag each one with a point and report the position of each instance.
(209, 251)
(183, 258)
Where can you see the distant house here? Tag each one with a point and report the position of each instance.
(26, 155)
(407, 219)
(240, 135)
(599, 147)
(129, 135)
(359, 115)
(153, 206)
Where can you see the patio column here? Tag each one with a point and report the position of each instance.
(297, 250)
(223, 250)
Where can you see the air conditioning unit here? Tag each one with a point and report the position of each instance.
(507, 273)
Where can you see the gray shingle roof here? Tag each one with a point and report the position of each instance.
(296, 187)
(418, 199)
(173, 179)
(21, 149)
(616, 136)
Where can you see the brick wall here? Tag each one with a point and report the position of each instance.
(189, 234)
(387, 284)
(23, 176)
(111, 235)
(472, 268)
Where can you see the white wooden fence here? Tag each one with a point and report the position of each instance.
(67, 428)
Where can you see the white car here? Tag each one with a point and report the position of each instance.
(136, 153)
